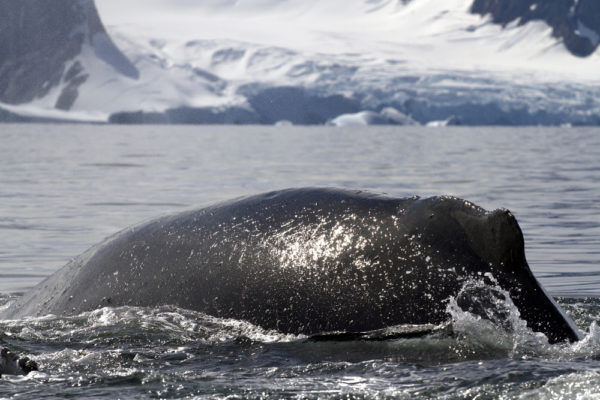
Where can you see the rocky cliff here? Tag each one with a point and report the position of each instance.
(576, 22)
(39, 44)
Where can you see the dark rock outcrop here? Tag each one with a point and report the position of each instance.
(576, 22)
(39, 41)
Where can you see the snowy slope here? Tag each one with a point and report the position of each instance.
(430, 34)
(311, 61)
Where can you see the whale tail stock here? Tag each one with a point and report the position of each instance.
(500, 239)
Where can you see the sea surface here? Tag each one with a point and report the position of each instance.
(64, 188)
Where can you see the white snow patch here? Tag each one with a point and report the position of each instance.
(426, 34)
(29, 110)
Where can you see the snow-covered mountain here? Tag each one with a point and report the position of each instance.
(302, 61)
(49, 50)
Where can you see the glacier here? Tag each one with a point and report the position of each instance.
(336, 62)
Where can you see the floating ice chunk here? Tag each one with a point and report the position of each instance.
(452, 120)
(362, 118)
(387, 116)
(396, 117)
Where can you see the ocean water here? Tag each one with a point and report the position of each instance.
(65, 187)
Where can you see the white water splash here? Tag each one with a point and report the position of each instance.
(496, 324)
(188, 325)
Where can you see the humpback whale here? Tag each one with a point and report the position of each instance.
(307, 261)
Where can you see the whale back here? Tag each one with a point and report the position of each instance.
(306, 261)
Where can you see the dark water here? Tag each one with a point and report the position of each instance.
(64, 188)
